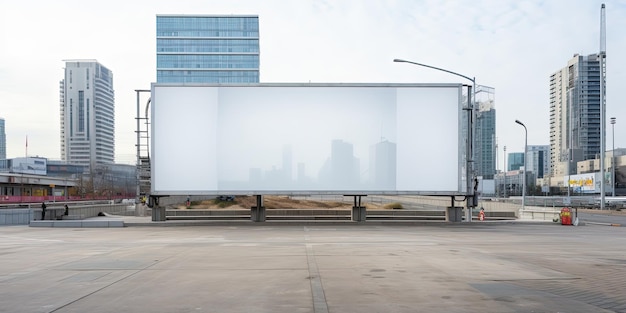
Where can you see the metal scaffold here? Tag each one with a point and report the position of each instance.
(143, 149)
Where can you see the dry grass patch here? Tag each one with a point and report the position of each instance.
(276, 202)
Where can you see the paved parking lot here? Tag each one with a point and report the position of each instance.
(484, 267)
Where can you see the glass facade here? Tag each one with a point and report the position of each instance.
(485, 137)
(537, 162)
(485, 143)
(208, 45)
(209, 76)
(515, 161)
(207, 49)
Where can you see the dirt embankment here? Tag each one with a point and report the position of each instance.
(274, 202)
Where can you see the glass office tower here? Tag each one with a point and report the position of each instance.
(515, 161)
(207, 49)
(485, 137)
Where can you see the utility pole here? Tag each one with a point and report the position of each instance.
(505, 187)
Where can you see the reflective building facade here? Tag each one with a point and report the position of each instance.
(515, 161)
(537, 161)
(207, 48)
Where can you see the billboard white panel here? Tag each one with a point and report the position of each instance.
(184, 140)
(306, 139)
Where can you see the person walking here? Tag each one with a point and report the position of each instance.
(43, 210)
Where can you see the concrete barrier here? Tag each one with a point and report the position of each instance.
(542, 214)
(25, 216)
(83, 210)
(16, 216)
(94, 210)
(78, 223)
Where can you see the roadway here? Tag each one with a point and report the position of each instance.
(247, 267)
(616, 218)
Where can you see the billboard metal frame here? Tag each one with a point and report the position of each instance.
(464, 149)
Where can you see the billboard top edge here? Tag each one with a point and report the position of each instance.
(419, 85)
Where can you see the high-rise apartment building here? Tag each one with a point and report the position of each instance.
(207, 48)
(87, 114)
(575, 113)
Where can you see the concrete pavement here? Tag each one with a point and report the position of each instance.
(291, 267)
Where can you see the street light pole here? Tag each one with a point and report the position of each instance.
(505, 170)
(613, 120)
(471, 96)
(525, 157)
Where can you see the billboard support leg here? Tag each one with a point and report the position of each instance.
(257, 213)
(454, 213)
(158, 212)
(359, 213)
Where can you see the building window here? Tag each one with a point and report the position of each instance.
(81, 111)
(71, 117)
(87, 118)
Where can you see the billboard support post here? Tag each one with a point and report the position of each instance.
(158, 211)
(257, 213)
(359, 213)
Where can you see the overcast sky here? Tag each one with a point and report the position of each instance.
(510, 45)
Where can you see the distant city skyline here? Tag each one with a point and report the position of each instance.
(342, 170)
(509, 45)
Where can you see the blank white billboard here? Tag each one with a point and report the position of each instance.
(306, 139)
